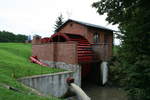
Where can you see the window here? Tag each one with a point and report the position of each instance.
(96, 38)
(106, 37)
(71, 25)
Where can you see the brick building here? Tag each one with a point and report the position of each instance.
(76, 43)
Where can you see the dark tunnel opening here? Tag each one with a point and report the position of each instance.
(91, 74)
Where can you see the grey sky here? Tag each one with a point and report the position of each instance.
(39, 16)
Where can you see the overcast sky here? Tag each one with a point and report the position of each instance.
(39, 16)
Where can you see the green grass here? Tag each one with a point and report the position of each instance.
(14, 63)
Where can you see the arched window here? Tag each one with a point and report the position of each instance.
(96, 38)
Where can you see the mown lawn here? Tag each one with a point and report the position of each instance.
(14, 63)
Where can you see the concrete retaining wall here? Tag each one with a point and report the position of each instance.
(49, 84)
(76, 68)
(54, 84)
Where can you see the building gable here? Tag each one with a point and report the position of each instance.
(73, 28)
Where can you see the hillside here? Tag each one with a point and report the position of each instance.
(14, 63)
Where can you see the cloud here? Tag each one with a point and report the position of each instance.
(38, 16)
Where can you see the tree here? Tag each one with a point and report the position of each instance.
(10, 37)
(59, 22)
(20, 38)
(134, 23)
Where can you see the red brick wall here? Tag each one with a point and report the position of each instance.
(43, 51)
(59, 52)
(66, 52)
(91, 32)
(74, 28)
(103, 49)
(102, 33)
(88, 33)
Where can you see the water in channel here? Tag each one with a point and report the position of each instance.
(96, 92)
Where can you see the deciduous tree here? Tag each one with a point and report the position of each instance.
(134, 23)
(10, 37)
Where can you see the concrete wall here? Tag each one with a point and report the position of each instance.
(56, 52)
(49, 84)
(54, 84)
(76, 68)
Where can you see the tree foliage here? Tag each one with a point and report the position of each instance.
(134, 55)
(59, 22)
(10, 37)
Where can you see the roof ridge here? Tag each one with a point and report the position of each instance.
(86, 24)
(90, 24)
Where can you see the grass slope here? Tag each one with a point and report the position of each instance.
(14, 63)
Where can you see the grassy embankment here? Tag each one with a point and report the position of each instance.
(14, 64)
